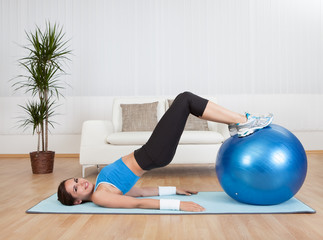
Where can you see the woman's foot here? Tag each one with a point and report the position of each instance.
(253, 124)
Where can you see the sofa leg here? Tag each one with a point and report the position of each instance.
(87, 166)
(83, 171)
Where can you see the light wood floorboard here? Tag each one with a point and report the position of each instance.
(20, 190)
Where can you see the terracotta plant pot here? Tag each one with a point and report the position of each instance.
(42, 162)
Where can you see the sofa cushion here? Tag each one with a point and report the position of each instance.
(139, 117)
(188, 137)
(128, 138)
(193, 123)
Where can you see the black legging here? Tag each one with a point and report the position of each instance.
(162, 144)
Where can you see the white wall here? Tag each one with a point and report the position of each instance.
(261, 55)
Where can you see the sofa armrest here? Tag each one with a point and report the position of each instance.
(94, 132)
(223, 129)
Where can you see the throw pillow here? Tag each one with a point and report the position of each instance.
(139, 117)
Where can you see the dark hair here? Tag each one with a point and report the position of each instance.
(63, 196)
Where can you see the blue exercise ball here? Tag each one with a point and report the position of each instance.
(265, 168)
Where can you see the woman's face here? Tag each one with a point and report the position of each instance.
(80, 188)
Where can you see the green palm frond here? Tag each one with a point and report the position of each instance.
(35, 115)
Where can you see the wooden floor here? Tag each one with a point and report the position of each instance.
(20, 190)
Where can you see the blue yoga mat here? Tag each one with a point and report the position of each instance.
(214, 202)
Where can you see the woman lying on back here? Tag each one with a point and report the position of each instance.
(114, 186)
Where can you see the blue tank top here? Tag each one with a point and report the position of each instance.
(118, 175)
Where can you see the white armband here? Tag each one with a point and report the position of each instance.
(166, 191)
(169, 204)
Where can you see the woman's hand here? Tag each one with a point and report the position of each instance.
(191, 207)
(185, 192)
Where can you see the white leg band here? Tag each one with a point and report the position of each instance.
(166, 191)
(169, 204)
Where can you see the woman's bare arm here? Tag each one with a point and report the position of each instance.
(153, 191)
(112, 200)
(143, 192)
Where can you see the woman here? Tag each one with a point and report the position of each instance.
(114, 186)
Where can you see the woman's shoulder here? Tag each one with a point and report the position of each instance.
(104, 195)
(107, 187)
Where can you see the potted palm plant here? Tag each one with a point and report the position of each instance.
(47, 52)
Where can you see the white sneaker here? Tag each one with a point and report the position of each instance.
(232, 129)
(253, 124)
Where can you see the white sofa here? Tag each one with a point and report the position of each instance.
(103, 141)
